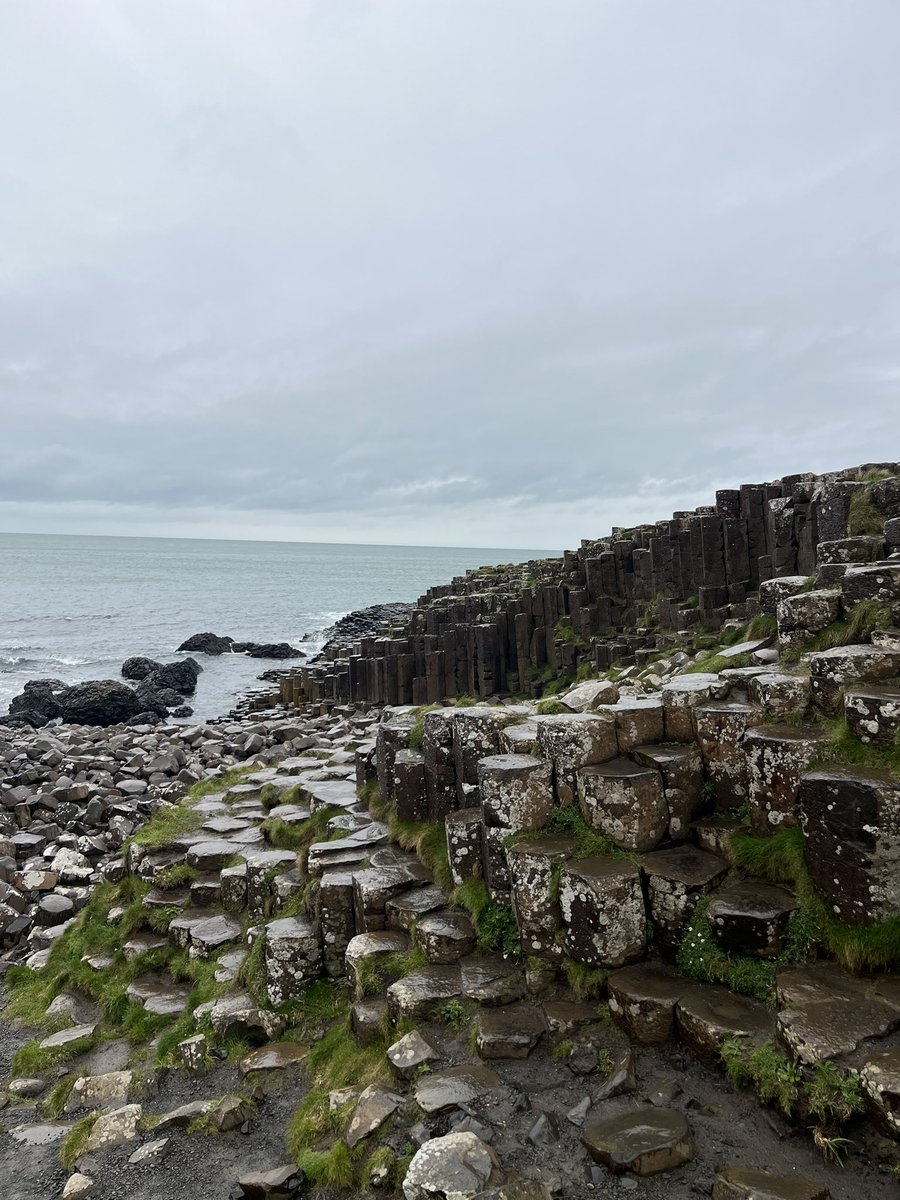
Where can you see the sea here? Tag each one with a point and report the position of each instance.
(74, 608)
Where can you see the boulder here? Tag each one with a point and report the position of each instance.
(207, 643)
(643, 1141)
(99, 702)
(139, 668)
(455, 1167)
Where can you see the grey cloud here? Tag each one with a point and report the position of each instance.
(454, 272)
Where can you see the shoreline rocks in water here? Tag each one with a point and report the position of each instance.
(213, 644)
(362, 622)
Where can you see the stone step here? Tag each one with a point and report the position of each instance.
(873, 713)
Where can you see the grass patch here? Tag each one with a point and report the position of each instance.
(781, 859)
(714, 663)
(417, 733)
(428, 839)
(762, 627)
(868, 616)
(55, 1104)
(551, 708)
(454, 1014)
(865, 519)
(588, 842)
(299, 836)
(374, 975)
(587, 983)
(175, 877)
(75, 1141)
(494, 923)
(699, 957)
(772, 1074)
(172, 821)
(842, 747)
(833, 1096)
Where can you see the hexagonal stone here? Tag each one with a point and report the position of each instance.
(639, 720)
(476, 734)
(207, 936)
(707, 1016)
(511, 1032)
(642, 1001)
(457, 1086)
(159, 996)
(751, 917)
(873, 713)
(777, 757)
(445, 936)
(210, 855)
(516, 791)
(293, 957)
(643, 1141)
(721, 727)
(681, 768)
(403, 911)
(374, 886)
(779, 695)
(368, 946)
(831, 672)
(572, 741)
(625, 802)
(602, 905)
(749, 1183)
(533, 869)
(680, 697)
(804, 614)
(490, 980)
(417, 995)
(826, 1029)
(851, 818)
(464, 843)
(410, 796)
(676, 879)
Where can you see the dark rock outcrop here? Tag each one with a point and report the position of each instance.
(180, 676)
(99, 702)
(363, 622)
(207, 643)
(139, 668)
(267, 650)
(38, 703)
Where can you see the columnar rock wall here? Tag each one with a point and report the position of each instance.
(509, 629)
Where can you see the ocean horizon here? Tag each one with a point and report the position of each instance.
(75, 606)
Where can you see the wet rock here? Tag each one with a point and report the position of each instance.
(206, 643)
(158, 995)
(277, 1056)
(455, 1167)
(625, 802)
(373, 1108)
(642, 1000)
(751, 917)
(602, 903)
(676, 880)
(114, 1128)
(880, 1082)
(404, 911)
(409, 1053)
(418, 994)
(829, 1028)
(749, 1183)
(184, 1115)
(511, 1032)
(707, 1016)
(489, 980)
(621, 1080)
(231, 1112)
(643, 1142)
(455, 1087)
(445, 937)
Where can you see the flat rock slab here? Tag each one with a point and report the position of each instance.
(829, 1028)
(373, 1108)
(210, 855)
(748, 1183)
(277, 1056)
(643, 1142)
(707, 1016)
(417, 995)
(454, 1087)
(159, 996)
(642, 1000)
(511, 1032)
(114, 1129)
(281, 1183)
(65, 1037)
(491, 981)
(410, 1053)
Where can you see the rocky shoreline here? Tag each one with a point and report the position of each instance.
(632, 933)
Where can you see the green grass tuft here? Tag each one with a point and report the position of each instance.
(587, 983)
(75, 1141)
(494, 923)
(699, 957)
(428, 840)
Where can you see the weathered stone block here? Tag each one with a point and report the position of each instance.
(534, 868)
(643, 1142)
(445, 936)
(676, 879)
(464, 843)
(516, 791)
(805, 614)
(680, 697)
(374, 886)
(880, 1080)
(639, 721)
(720, 731)
(642, 1001)
(293, 957)
(574, 740)
(851, 819)
(773, 591)
(879, 582)
(494, 866)
(873, 713)
(602, 904)
(779, 695)
(392, 736)
(625, 802)
(777, 756)
(751, 917)
(511, 1032)
(681, 768)
(368, 947)
(850, 550)
(337, 922)
(749, 1183)
(708, 1016)
(832, 671)
(440, 765)
(410, 796)
(476, 735)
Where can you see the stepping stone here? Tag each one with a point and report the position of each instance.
(625, 802)
(707, 1016)
(181, 927)
(403, 911)
(100, 1091)
(66, 1037)
(277, 1056)
(158, 996)
(181, 1117)
(445, 937)
(831, 672)
(508, 1032)
(278, 1184)
(676, 879)
(143, 943)
(207, 936)
(160, 898)
(490, 981)
(516, 791)
(602, 903)
(228, 965)
(464, 839)
(572, 741)
(374, 886)
(828, 1029)
(366, 947)
(417, 995)
(410, 1053)
(751, 918)
(642, 1000)
(368, 1019)
(206, 892)
(873, 713)
(642, 1142)
(226, 825)
(748, 1183)
(114, 1129)
(293, 957)
(373, 1108)
(210, 855)
(239, 1016)
(454, 1088)
(564, 1017)
(534, 867)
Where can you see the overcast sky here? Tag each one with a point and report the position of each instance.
(451, 272)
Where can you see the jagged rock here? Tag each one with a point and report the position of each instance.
(749, 1183)
(281, 1183)
(621, 1080)
(590, 696)
(231, 1112)
(644, 1142)
(139, 668)
(410, 1053)
(114, 1128)
(184, 1115)
(880, 1082)
(151, 1153)
(207, 643)
(99, 702)
(373, 1108)
(457, 1166)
